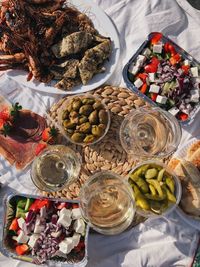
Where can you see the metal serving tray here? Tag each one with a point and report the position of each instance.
(8, 252)
(180, 50)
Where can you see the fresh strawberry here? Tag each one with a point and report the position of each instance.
(5, 114)
(39, 148)
(1, 124)
(49, 135)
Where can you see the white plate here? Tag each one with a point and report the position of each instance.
(188, 219)
(105, 27)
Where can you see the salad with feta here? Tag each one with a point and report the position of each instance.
(163, 74)
(46, 230)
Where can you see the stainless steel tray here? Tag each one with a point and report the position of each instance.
(8, 251)
(180, 50)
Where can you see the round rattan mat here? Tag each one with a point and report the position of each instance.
(108, 154)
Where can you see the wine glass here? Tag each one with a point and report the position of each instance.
(55, 168)
(107, 203)
(150, 132)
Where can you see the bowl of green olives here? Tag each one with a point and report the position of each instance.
(85, 120)
(156, 189)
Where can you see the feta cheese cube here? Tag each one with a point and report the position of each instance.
(64, 220)
(138, 83)
(194, 95)
(140, 60)
(133, 69)
(152, 77)
(157, 48)
(56, 234)
(173, 111)
(66, 245)
(21, 222)
(33, 239)
(76, 213)
(161, 99)
(66, 212)
(43, 212)
(147, 52)
(22, 238)
(154, 89)
(187, 62)
(38, 228)
(194, 71)
(79, 226)
(76, 239)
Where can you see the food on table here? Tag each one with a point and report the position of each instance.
(84, 119)
(188, 171)
(20, 132)
(44, 229)
(59, 42)
(55, 168)
(167, 77)
(153, 187)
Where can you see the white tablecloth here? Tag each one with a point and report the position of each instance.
(163, 242)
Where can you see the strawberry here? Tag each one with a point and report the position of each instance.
(5, 114)
(1, 124)
(49, 135)
(39, 148)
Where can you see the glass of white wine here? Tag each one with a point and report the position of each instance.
(56, 167)
(107, 203)
(150, 132)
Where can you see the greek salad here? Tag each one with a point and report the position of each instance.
(46, 230)
(167, 77)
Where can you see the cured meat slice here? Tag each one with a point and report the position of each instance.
(19, 146)
(29, 125)
(17, 150)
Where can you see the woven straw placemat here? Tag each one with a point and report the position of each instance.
(108, 154)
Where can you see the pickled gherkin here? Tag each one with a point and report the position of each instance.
(154, 188)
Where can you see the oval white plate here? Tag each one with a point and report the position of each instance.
(105, 27)
(188, 219)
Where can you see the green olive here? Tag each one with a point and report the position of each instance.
(86, 110)
(97, 105)
(82, 119)
(76, 104)
(88, 101)
(93, 118)
(89, 139)
(84, 127)
(65, 115)
(78, 137)
(103, 117)
(73, 114)
(97, 130)
(68, 124)
(69, 107)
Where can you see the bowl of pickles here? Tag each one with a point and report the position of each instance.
(84, 119)
(156, 189)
